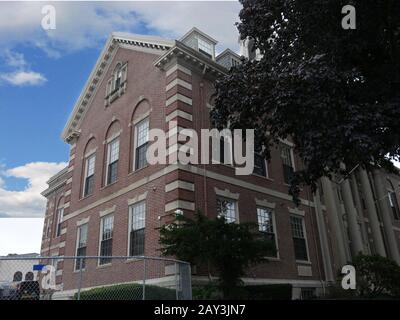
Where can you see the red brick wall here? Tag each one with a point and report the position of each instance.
(144, 81)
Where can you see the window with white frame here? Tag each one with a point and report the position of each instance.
(137, 218)
(112, 161)
(89, 175)
(205, 47)
(393, 204)
(299, 238)
(116, 82)
(287, 162)
(142, 140)
(60, 214)
(227, 208)
(118, 78)
(260, 167)
(81, 246)
(266, 224)
(226, 150)
(392, 198)
(106, 236)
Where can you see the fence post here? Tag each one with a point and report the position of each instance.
(80, 278)
(176, 281)
(144, 279)
(190, 297)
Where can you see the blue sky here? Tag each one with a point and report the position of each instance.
(42, 74)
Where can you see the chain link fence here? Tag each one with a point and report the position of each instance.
(94, 278)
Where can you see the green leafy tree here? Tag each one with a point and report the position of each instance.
(334, 92)
(377, 276)
(226, 248)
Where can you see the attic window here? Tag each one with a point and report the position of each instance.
(235, 62)
(116, 84)
(204, 47)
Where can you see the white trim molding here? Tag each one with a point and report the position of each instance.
(179, 184)
(82, 221)
(107, 211)
(178, 67)
(179, 204)
(226, 193)
(296, 211)
(142, 117)
(137, 198)
(265, 203)
(178, 97)
(178, 82)
(304, 271)
(178, 113)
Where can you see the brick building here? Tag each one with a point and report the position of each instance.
(109, 201)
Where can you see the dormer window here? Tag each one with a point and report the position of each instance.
(205, 47)
(200, 42)
(228, 59)
(116, 85)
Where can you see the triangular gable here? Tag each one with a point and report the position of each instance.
(115, 40)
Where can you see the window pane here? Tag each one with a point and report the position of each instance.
(137, 228)
(286, 156)
(226, 208)
(113, 151)
(204, 46)
(89, 185)
(90, 165)
(299, 241)
(81, 252)
(112, 174)
(138, 216)
(82, 234)
(142, 131)
(141, 160)
(60, 214)
(393, 204)
(137, 242)
(266, 225)
(108, 226)
(106, 250)
(259, 165)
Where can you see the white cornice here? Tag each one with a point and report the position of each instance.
(192, 57)
(195, 30)
(226, 52)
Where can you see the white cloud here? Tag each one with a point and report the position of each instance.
(28, 202)
(14, 59)
(23, 78)
(20, 74)
(20, 235)
(82, 25)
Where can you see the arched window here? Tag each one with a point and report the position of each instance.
(89, 162)
(112, 152)
(59, 216)
(17, 276)
(29, 276)
(140, 134)
(116, 84)
(117, 78)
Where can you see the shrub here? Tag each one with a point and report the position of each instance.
(377, 277)
(250, 292)
(209, 291)
(269, 292)
(127, 292)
